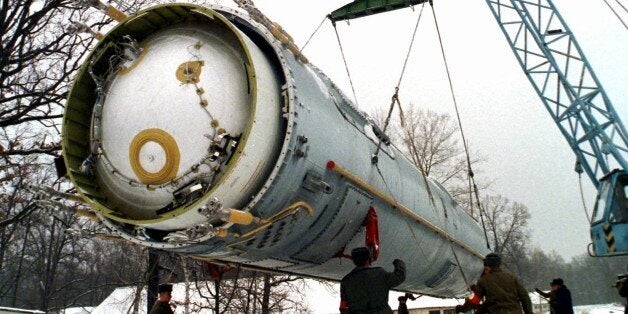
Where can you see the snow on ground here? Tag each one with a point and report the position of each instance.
(599, 309)
(120, 300)
(78, 310)
(321, 299)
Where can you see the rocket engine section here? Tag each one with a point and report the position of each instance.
(193, 129)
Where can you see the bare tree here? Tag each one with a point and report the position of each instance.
(45, 261)
(16, 206)
(537, 268)
(42, 264)
(38, 58)
(507, 224)
(235, 290)
(431, 142)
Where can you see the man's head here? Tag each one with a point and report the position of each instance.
(556, 284)
(492, 261)
(165, 292)
(402, 299)
(361, 256)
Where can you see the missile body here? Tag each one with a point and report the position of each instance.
(193, 130)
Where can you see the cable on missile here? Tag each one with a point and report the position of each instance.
(344, 59)
(315, 31)
(395, 96)
(395, 100)
(464, 141)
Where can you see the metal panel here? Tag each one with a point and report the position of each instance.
(272, 263)
(445, 272)
(360, 8)
(345, 223)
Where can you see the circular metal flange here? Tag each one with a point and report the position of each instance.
(289, 89)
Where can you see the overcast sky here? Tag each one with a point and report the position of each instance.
(528, 159)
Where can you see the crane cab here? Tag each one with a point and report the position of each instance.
(609, 223)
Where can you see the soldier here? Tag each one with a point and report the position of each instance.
(501, 290)
(559, 297)
(162, 306)
(365, 289)
(403, 307)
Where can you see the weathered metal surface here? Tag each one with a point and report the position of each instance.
(307, 212)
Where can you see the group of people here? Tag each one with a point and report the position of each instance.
(365, 290)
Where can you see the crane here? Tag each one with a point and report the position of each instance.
(568, 88)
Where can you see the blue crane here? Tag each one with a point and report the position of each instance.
(572, 94)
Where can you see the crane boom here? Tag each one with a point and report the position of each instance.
(572, 94)
(564, 80)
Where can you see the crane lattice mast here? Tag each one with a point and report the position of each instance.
(564, 80)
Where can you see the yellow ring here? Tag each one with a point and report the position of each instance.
(169, 145)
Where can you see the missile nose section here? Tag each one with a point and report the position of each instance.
(174, 112)
(164, 112)
(203, 131)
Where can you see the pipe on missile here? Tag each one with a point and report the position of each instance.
(241, 217)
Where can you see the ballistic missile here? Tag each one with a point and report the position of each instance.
(198, 130)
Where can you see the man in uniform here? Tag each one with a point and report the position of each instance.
(501, 290)
(365, 288)
(162, 306)
(403, 307)
(559, 297)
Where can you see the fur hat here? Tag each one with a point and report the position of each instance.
(557, 282)
(164, 287)
(360, 255)
(492, 260)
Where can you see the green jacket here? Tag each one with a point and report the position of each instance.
(365, 289)
(161, 308)
(503, 293)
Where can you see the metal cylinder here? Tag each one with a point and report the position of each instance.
(284, 121)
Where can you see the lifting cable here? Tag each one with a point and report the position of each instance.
(584, 204)
(311, 36)
(342, 52)
(464, 141)
(395, 96)
(395, 100)
(464, 277)
(621, 5)
(615, 12)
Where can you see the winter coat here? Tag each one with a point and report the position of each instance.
(161, 308)
(559, 300)
(365, 289)
(402, 309)
(503, 293)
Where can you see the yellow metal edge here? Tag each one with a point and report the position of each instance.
(251, 75)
